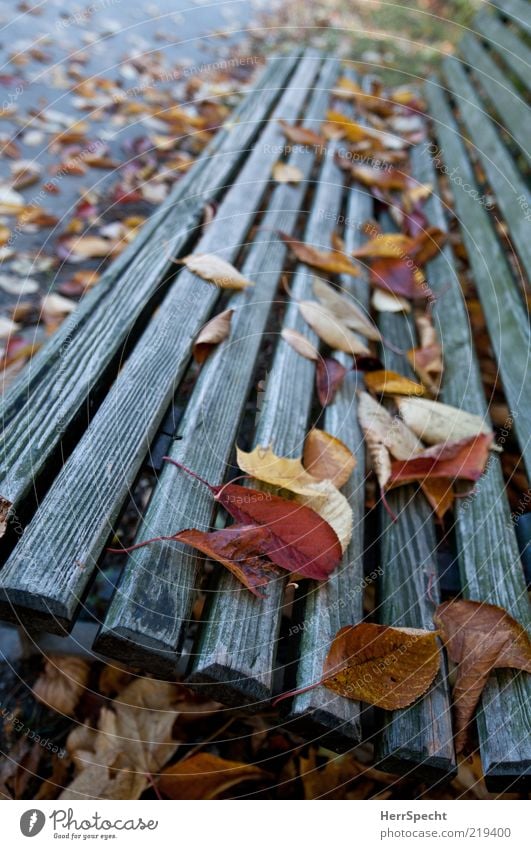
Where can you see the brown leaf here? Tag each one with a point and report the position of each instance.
(205, 776)
(214, 332)
(327, 458)
(284, 173)
(345, 310)
(434, 422)
(61, 684)
(386, 667)
(392, 383)
(300, 343)
(329, 376)
(332, 261)
(215, 270)
(330, 329)
(355, 132)
(301, 135)
(479, 637)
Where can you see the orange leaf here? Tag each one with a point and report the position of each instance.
(327, 458)
(205, 776)
(392, 383)
(335, 262)
(386, 667)
(479, 637)
(214, 332)
(301, 135)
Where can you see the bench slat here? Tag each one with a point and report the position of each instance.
(238, 664)
(502, 306)
(168, 575)
(339, 601)
(503, 174)
(507, 44)
(512, 110)
(43, 402)
(52, 565)
(486, 544)
(516, 10)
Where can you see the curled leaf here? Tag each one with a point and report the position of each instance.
(330, 329)
(215, 270)
(214, 332)
(300, 343)
(461, 460)
(479, 637)
(329, 376)
(327, 458)
(392, 383)
(345, 310)
(434, 422)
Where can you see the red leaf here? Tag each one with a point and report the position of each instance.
(329, 376)
(464, 459)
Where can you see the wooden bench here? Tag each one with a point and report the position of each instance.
(81, 424)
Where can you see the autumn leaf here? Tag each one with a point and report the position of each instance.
(215, 270)
(300, 344)
(329, 375)
(392, 383)
(383, 301)
(461, 460)
(328, 458)
(332, 261)
(330, 329)
(87, 247)
(62, 682)
(386, 179)
(301, 135)
(345, 310)
(434, 422)
(386, 667)
(284, 173)
(289, 474)
(205, 776)
(214, 332)
(400, 277)
(426, 360)
(355, 132)
(479, 638)
(386, 245)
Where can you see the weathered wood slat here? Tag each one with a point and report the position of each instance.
(517, 10)
(43, 402)
(511, 48)
(504, 312)
(418, 737)
(337, 602)
(50, 568)
(512, 110)
(504, 177)
(486, 544)
(238, 664)
(153, 603)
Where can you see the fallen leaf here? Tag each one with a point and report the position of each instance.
(383, 301)
(329, 375)
(205, 776)
(215, 270)
(332, 261)
(288, 473)
(355, 132)
(386, 179)
(214, 332)
(62, 682)
(461, 460)
(479, 637)
(392, 383)
(87, 247)
(384, 435)
(284, 173)
(345, 310)
(384, 245)
(327, 458)
(330, 330)
(302, 135)
(400, 277)
(426, 361)
(434, 422)
(300, 344)
(20, 286)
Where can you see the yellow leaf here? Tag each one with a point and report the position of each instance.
(284, 173)
(392, 383)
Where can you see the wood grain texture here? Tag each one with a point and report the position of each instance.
(512, 110)
(237, 665)
(338, 602)
(486, 544)
(51, 566)
(41, 405)
(505, 315)
(417, 738)
(512, 50)
(154, 601)
(518, 11)
(507, 182)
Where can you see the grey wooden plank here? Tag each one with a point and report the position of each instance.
(512, 50)
(504, 312)
(513, 112)
(154, 600)
(41, 404)
(417, 738)
(237, 664)
(517, 10)
(507, 182)
(338, 602)
(51, 566)
(486, 543)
